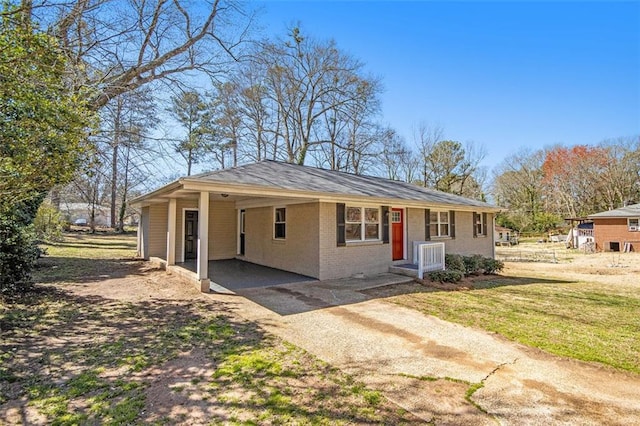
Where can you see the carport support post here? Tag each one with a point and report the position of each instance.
(171, 232)
(203, 242)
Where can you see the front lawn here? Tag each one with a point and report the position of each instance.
(107, 340)
(586, 321)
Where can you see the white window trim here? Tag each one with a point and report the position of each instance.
(441, 223)
(363, 236)
(633, 228)
(480, 234)
(275, 223)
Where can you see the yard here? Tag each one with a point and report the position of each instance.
(107, 339)
(584, 306)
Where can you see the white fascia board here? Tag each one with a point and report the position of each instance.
(146, 199)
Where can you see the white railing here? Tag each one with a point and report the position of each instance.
(416, 246)
(430, 258)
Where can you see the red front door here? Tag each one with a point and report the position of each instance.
(397, 233)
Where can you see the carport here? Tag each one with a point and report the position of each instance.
(228, 276)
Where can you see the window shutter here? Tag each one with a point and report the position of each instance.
(427, 224)
(486, 225)
(475, 228)
(452, 224)
(385, 224)
(341, 237)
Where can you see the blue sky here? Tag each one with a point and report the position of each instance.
(505, 75)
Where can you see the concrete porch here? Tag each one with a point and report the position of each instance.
(228, 276)
(407, 269)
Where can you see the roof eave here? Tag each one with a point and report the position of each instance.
(163, 190)
(245, 189)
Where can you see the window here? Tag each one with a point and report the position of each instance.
(439, 223)
(633, 224)
(478, 224)
(280, 223)
(396, 216)
(362, 223)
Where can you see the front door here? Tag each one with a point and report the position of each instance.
(190, 234)
(241, 232)
(397, 233)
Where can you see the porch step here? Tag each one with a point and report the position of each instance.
(408, 270)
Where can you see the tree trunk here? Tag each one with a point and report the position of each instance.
(114, 160)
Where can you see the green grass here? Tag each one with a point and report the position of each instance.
(87, 359)
(585, 321)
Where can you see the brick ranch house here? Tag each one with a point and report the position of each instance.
(617, 230)
(314, 222)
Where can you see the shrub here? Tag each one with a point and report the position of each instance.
(454, 262)
(457, 267)
(473, 265)
(492, 266)
(446, 276)
(18, 253)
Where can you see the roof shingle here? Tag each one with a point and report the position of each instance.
(286, 176)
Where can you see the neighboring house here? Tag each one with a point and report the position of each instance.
(581, 236)
(315, 222)
(78, 211)
(617, 230)
(504, 236)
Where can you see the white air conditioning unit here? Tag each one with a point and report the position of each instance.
(633, 228)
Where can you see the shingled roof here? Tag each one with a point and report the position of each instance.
(291, 177)
(632, 210)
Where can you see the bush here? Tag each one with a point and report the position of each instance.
(18, 253)
(460, 266)
(473, 265)
(492, 266)
(454, 262)
(446, 276)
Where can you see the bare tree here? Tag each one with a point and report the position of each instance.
(518, 185)
(125, 124)
(395, 156)
(116, 46)
(308, 82)
(256, 115)
(619, 180)
(425, 137)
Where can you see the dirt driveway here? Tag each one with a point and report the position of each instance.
(442, 372)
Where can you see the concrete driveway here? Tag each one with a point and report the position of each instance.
(432, 367)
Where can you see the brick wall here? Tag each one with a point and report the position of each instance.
(339, 262)
(606, 231)
(298, 252)
(464, 243)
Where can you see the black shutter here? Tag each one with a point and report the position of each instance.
(341, 237)
(486, 225)
(427, 224)
(452, 224)
(385, 224)
(475, 221)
